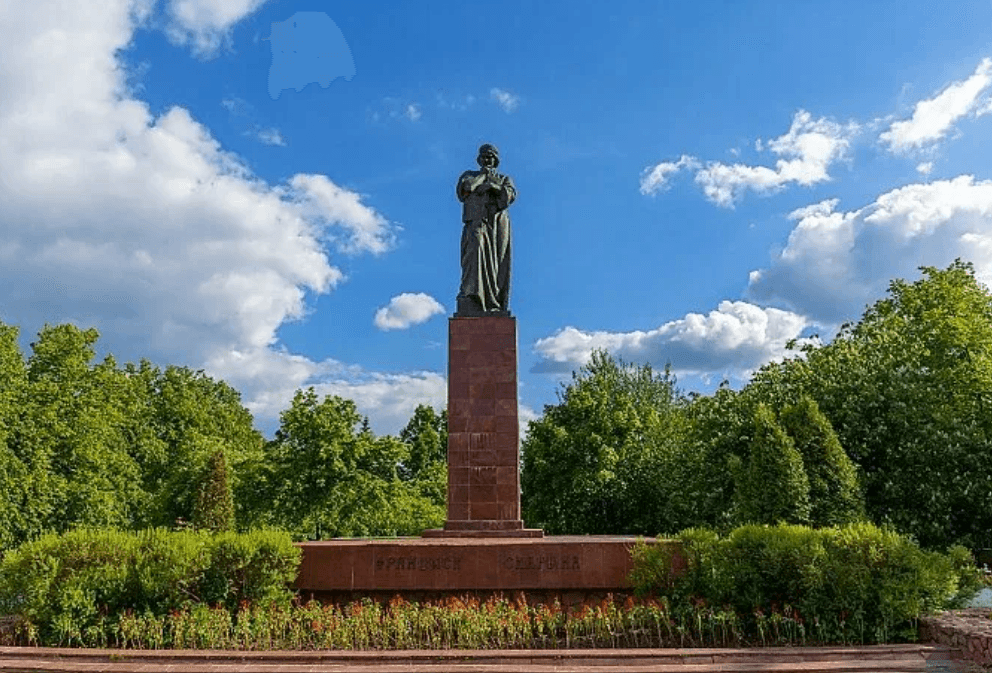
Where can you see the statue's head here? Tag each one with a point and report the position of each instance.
(488, 152)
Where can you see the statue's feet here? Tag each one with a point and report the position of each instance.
(470, 307)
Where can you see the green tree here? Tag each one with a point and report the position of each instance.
(17, 483)
(94, 444)
(328, 475)
(721, 427)
(773, 485)
(908, 389)
(74, 420)
(608, 457)
(214, 509)
(177, 419)
(426, 436)
(835, 497)
(426, 439)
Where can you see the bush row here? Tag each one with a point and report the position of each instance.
(757, 585)
(69, 589)
(854, 583)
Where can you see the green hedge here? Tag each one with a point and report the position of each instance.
(853, 583)
(74, 588)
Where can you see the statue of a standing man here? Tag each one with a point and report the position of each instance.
(485, 288)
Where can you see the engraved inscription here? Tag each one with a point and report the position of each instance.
(419, 563)
(541, 563)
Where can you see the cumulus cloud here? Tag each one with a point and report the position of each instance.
(387, 399)
(655, 178)
(935, 117)
(145, 227)
(736, 339)
(407, 309)
(324, 202)
(506, 100)
(806, 153)
(807, 150)
(924, 167)
(413, 112)
(837, 263)
(205, 25)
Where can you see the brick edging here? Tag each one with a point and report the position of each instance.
(967, 633)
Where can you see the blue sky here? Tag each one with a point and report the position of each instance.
(698, 182)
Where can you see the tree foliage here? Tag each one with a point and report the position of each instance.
(327, 475)
(608, 457)
(426, 467)
(908, 389)
(834, 494)
(214, 509)
(773, 486)
(86, 443)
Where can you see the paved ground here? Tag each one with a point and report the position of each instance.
(873, 659)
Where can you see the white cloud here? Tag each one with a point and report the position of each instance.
(506, 100)
(323, 201)
(270, 136)
(413, 112)
(407, 309)
(655, 178)
(836, 263)
(934, 117)
(984, 107)
(524, 416)
(820, 209)
(807, 150)
(205, 25)
(736, 338)
(924, 167)
(145, 227)
(387, 399)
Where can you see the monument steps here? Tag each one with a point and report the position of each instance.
(867, 659)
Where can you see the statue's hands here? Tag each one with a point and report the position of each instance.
(478, 183)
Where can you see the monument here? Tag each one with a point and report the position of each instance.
(483, 424)
(484, 546)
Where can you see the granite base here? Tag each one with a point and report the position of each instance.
(452, 565)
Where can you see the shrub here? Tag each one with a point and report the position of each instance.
(74, 588)
(854, 583)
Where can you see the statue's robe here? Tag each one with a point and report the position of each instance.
(486, 242)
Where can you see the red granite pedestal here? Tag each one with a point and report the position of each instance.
(483, 431)
(484, 546)
(570, 568)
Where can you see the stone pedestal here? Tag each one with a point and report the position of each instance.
(583, 564)
(483, 431)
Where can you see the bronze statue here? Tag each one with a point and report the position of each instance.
(486, 194)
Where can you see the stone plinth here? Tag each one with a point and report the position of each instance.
(483, 430)
(563, 563)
